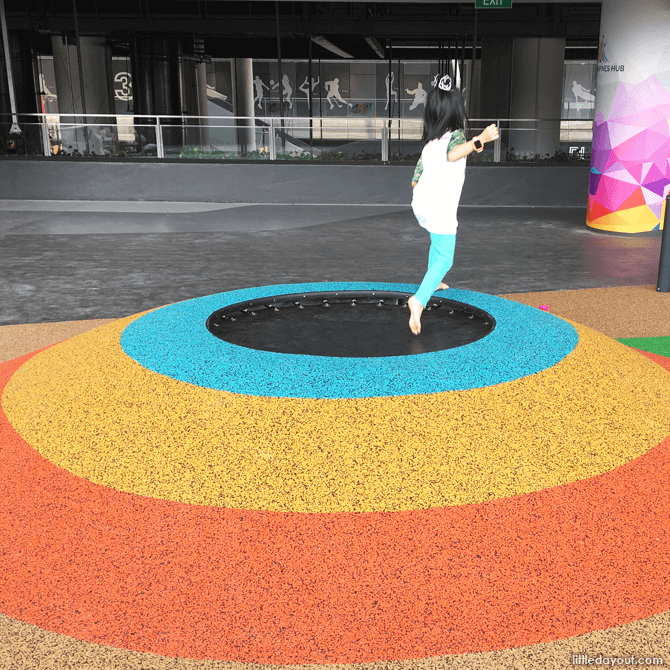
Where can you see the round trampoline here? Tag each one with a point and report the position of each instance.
(348, 324)
(376, 355)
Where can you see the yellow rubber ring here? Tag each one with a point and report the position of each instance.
(90, 409)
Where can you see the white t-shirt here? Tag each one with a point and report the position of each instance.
(436, 196)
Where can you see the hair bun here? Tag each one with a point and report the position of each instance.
(444, 83)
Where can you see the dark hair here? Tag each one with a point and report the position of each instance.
(445, 111)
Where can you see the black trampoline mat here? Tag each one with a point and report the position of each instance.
(330, 325)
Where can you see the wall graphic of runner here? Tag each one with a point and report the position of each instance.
(333, 90)
(394, 91)
(420, 96)
(288, 91)
(259, 86)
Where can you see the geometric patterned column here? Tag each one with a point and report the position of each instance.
(630, 156)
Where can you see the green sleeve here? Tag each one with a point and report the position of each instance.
(418, 171)
(457, 137)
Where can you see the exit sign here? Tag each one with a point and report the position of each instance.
(480, 4)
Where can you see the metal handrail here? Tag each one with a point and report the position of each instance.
(386, 126)
(272, 121)
(381, 120)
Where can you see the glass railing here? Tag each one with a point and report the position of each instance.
(275, 138)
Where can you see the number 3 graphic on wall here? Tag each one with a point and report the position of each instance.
(125, 92)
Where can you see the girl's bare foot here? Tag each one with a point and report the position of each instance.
(442, 286)
(416, 309)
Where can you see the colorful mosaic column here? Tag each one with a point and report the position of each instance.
(630, 161)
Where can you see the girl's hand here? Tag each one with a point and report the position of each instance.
(489, 134)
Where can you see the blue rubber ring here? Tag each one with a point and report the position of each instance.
(174, 341)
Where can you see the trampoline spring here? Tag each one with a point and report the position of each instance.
(232, 318)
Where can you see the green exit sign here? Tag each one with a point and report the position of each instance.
(480, 4)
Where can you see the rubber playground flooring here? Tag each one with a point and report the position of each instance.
(153, 519)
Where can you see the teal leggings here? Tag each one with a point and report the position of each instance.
(440, 260)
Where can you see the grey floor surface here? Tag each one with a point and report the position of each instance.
(68, 260)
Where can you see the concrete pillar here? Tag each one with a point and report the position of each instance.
(495, 77)
(201, 79)
(188, 90)
(194, 103)
(474, 112)
(142, 76)
(243, 102)
(536, 93)
(194, 93)
(630, 158)
(98, 91)
(157, 87)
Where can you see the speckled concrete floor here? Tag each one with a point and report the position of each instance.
(109, 260)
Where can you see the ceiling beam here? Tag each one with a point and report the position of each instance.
(376, 47)
(323, 42)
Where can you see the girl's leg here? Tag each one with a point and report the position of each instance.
(431, 260)
(440, 260)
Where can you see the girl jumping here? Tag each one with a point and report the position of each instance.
(437, 183)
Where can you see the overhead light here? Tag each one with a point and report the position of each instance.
(323, 42)
(376, 47)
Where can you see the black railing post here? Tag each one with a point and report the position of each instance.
(663, 284)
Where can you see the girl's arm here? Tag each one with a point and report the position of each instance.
(463, 148)
(417, 173)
